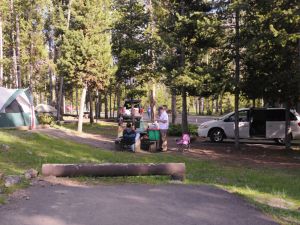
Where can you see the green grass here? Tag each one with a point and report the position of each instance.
(103, 128)
(276, 191)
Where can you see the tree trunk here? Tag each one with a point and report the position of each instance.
(18, 61)
(30, 65)
(221, 104)
(105, 106)
(114, 105)
(253, 102)
(1, 51)
(59, 98)
(288, 131)
(207, 106)
(184, 122)
(60, 94)
(199, 105)
(91, 108)
(201, 111)
(14, 77)
(100, 104)
(76, 99)
(153, 102)
(110, 103)
(119, 95)
(237, 81)
(217, 104)
(51, 58)
(173, 108)
(80, 118)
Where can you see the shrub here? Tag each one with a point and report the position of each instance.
(175, 129)
(45, 119)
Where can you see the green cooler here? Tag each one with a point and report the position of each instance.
(154, 135)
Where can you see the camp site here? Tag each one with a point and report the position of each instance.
(148, 112)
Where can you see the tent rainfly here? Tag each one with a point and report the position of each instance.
(16, 108)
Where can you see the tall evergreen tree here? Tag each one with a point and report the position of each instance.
(85, 52)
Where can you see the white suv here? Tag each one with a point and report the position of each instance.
(268, 123)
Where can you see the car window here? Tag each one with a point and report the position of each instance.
(243, 116)
(279, 115)
(276, 115)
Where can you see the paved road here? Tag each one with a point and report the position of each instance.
(130, 204)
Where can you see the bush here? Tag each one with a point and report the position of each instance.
(45, 119)
(175, 130)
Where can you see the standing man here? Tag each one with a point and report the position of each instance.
(163, 122)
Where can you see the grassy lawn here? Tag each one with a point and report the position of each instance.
(103, 128)
(276, 191)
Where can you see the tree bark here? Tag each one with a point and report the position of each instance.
(153, 102)
(237, 80)
(217, 104)
(30, 65)
(76, 99)
(82, 101)
(100, 105)
(18, 61)
(105, 106)
(288, 130)
(91, 108)
(173, 108)
(60, 97)
(110, 93)
(60, 94)
(221, 103)
(1, 51)
(114, 104)
(50, 70)
(14, 77)
(119, 95)
(184, 122)
(201, 110)
(253, 102)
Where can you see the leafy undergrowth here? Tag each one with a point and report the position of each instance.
(276, 191)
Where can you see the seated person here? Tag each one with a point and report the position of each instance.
(129, 136)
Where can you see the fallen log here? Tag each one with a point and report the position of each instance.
(175, 170)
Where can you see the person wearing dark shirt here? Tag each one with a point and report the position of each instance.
(129, 136)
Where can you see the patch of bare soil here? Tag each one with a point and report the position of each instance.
(261, 153)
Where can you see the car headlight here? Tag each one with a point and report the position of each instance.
(203, 126)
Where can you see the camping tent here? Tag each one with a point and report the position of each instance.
(43, 108)
(16, 108)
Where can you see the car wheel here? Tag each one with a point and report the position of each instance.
(281, 141)
(217, 135)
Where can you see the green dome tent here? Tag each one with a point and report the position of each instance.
(16, 108)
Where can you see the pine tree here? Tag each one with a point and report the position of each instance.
(85, 51)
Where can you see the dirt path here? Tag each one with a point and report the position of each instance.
(252, 153)
(71, 204)
(95, 140)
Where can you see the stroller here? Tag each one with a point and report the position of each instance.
(184, 143)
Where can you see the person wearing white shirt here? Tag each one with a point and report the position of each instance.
(163, 122)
